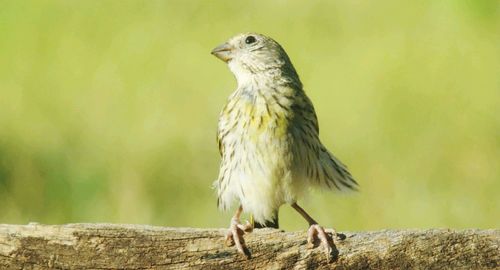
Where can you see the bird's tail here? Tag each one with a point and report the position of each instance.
(267, 224)
(335, 173)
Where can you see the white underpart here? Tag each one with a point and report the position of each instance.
(258, 171)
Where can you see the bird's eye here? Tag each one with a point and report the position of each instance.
(250, 40)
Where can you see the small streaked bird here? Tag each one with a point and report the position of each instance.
(268, 138)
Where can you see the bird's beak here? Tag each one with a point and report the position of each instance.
(223, 52)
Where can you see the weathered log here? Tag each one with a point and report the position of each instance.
(107, 246)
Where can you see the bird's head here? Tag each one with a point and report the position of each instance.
(250, 54)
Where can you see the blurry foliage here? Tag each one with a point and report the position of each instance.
(108, 109)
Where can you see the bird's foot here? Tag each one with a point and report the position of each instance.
(316, 233)
(234, 236)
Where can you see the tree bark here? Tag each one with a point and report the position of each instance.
(107, 246)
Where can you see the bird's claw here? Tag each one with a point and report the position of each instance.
(234, 236)
(317, 232)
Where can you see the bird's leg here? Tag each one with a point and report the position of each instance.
(235, 234)
(316, 232)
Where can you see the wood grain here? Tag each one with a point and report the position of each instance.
(111, 246)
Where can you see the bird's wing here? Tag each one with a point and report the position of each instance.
(305, 109)
(331, 172)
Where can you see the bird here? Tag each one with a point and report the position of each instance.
(268, 139)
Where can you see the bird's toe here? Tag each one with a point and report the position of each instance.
(234, 237)
(316, 234)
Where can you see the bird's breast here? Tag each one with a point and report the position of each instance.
(260, 114)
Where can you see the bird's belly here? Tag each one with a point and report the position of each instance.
(262, 164)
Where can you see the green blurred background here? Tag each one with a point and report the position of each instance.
(108, 109)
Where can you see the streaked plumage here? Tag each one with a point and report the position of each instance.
(268, 135)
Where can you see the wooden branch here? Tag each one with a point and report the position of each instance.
(106, 246)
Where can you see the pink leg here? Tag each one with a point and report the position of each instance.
(235, 233)
(316, 232)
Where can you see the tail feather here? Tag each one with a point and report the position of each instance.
(335, 173)
(273, 223)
